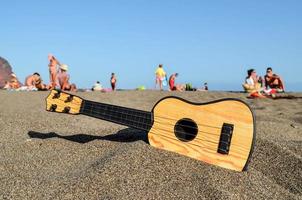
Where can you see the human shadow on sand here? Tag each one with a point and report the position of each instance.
(125, 135)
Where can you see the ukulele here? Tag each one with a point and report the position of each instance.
(220, 132)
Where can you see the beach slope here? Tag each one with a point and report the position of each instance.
(46, 155)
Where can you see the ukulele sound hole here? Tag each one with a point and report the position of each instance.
(185, 129)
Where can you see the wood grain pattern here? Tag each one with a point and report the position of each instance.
(209, 118)
(62, 102)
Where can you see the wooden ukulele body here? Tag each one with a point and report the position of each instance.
(203, 124)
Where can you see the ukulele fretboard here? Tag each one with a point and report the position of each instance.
(126, 116)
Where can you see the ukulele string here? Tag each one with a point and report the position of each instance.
(93, 111)
(141, 123)
(142, 112)
(90, 108)
(159, 122)
(173, 138)
(182, 125)
(95, 105)
(196, 138)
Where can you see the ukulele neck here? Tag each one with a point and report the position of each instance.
(121, 115)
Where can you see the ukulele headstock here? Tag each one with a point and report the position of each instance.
(61, 102)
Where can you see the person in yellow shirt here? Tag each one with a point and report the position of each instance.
(160, 76)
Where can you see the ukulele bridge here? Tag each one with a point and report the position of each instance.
(225, 138)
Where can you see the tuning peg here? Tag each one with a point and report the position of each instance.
(57, 95)
(66, 109)
(69, 99)
(53, 107)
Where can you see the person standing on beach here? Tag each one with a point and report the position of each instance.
(113, 81)
(63, 79)
(53, 62)
(160, 75)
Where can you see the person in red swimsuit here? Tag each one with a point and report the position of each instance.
(273, 81)
(173, 86)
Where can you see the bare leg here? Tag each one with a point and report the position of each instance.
(156, 82)
(179, 87)
(160, 84)
(53, 77)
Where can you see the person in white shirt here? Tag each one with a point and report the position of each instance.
(97, 86)
(252, 78)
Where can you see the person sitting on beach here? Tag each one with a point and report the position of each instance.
(253, 85)
(160, 75)
(14, 83)
(97, 86)
(6, 85)
(35, 81)
(273, 81)
(113, 81)
(252, 81)
(173, 86)
(63, 79)
(205, 86)
(53, 62)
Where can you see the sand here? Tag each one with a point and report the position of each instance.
(46, 155)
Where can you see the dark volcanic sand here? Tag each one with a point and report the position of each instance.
(46, 155)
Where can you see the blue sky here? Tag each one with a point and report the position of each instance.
(214, 41)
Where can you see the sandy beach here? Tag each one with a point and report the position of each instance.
(46, 155)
